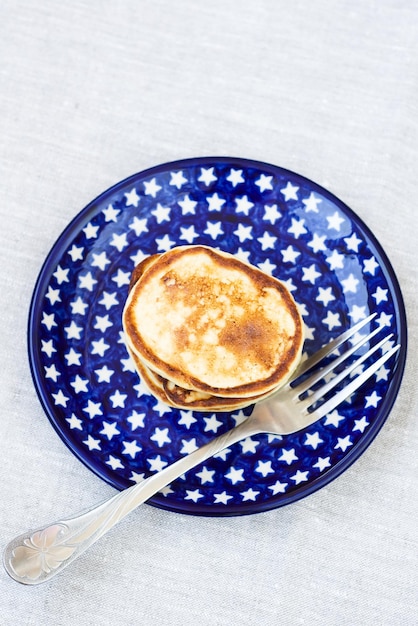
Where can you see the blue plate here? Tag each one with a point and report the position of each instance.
(280, 222)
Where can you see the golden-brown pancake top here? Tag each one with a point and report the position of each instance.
(210, 322)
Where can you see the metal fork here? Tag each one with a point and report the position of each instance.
(36, 556)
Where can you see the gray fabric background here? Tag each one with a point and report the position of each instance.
(93, 91)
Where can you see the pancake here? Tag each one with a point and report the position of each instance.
(189, 399)
(208, 322)
(180, 398)
(141, 268)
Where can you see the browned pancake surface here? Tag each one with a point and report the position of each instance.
(211, 323)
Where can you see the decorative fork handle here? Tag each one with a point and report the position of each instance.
(36, 556)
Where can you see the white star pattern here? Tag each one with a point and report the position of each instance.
(188, 234)
(264, 183)
(74, 422)
(250, 494)
(161, 213)
(139, 226)
(60, 399)
(189, 446)
(73, 331)
(93, 409)
(131, 448)
(193, 495)
(311, 203)
(300, 477)
(243, 232)
(235, 475)
(290, 254)
(165, 243)
(72, 357)
(61, 275)
(243, 205)
(332, 320)
(160, 436)
(249, 445)
(110, 214)
(317, 243)
(188, 206)
(80, 384)
(121, 278)
(215, 202)
(214, 229)
(92, 444)
(102, 323)
(132, 198)
(267, 267)
(361, 424)
(334, 221)
(325, 295)
(152, 188)
(264, 468)
(313, 440)
(372, 400)
(100, 260)
(310, 274)
(187, 419)
(235, 177)
(76, 253)
(288, 456)
(90, 231)
(136, 420)
(118, 399)
(212, 424)
(207, 176)
(48, 320)
(350, 284)
(99, 347)
(222, 498)
(87, 281)
(109, 430)
(344, 443)
(322, 463)
(119, 241)
(53, 295)
(271, 213)
(104, 374)
(278, 487)
(178, 179)
(357, 313)
(380, 295)
(297, 228)
(335, 260)
(157, 464)
(267, 241)
(114, 463)
(352, 242)
(333, 419)
(205, 475)
(290, 192)
(48, 347)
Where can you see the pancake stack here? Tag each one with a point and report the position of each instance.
(209, 332)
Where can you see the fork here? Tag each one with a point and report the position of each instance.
(36, 556)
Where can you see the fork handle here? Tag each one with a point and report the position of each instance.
(36, 556)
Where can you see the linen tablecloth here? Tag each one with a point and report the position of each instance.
(92, 92)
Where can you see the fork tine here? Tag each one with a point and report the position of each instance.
(321, 373)
(355, 384)
(324, 389)
(331, 346)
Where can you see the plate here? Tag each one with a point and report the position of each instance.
(280, 222)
